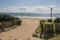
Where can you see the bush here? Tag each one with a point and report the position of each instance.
(17, 22)
(41, 21)
(34, 35)
(49, 20)
(8, 21)
(57, 20)
(40, 27)
(57, 26)
(6, 24)
(38, 30)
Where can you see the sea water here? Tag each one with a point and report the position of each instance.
(34, 15)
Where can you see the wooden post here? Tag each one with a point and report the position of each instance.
(51, 13)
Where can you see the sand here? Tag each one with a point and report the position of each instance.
(22, 32)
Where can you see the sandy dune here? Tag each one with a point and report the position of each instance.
(23, 32)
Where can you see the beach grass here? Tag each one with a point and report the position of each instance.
(57, 37)
(8, 21)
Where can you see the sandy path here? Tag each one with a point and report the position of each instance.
(23, 32)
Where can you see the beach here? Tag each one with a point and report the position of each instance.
(22, 32)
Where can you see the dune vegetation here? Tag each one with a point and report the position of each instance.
(8, 22)
(56, 28)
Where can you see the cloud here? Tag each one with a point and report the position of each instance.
(32, 9)
(9, 9)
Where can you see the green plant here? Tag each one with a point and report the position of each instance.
(57, 20)
(7, 21)
(38, 30)
(34, 35)
(49, 20)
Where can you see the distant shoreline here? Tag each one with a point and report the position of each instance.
(35, 17)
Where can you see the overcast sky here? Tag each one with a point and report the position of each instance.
(30, 6)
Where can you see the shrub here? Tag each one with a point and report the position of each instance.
(41, 21)
(38, 30)
(17, 22)
(8, 21)
(57, 20)
(49, 20)
(34, 35)
(57, 26)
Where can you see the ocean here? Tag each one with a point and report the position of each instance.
(34, 15)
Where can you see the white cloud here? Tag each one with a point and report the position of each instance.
(32, 9)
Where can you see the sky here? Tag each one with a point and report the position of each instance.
(29, 6)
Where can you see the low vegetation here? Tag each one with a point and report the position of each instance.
(8, 22)
(55, 38)
(56, 30)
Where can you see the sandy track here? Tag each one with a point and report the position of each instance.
(23, 32)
